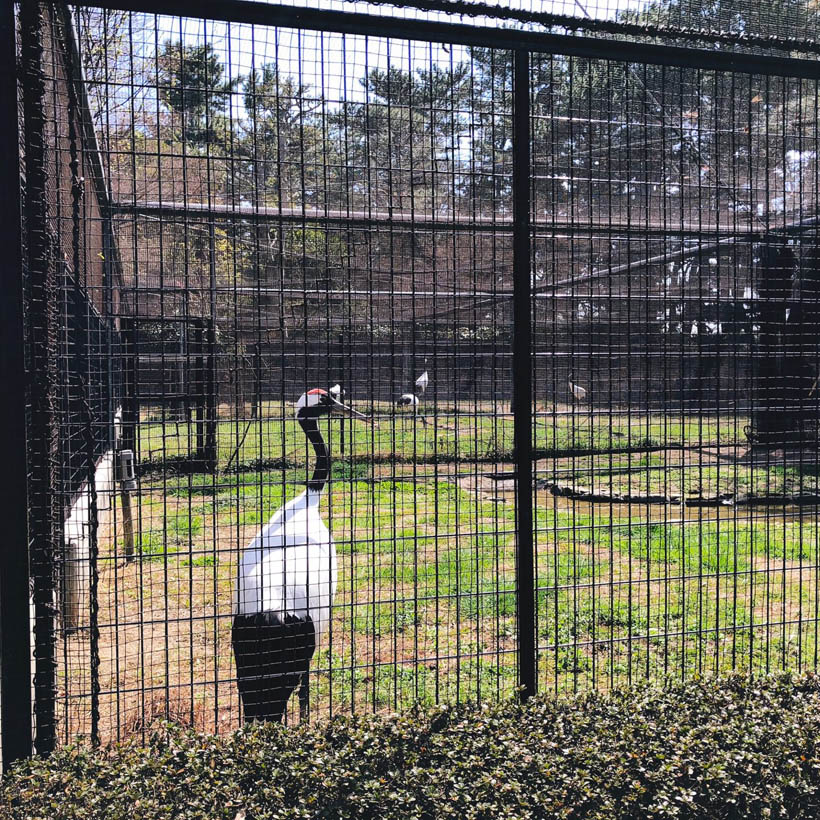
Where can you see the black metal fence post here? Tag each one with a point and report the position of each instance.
(130, 406)
(211, 403)
(15, 649)
(42, 326)
(198, 382)
(210, 399)
(130, 420)
(522, 374)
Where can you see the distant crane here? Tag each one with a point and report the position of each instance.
(407, 400)
(577, 392)
(412, 399)
(422, 382)
(287, 580)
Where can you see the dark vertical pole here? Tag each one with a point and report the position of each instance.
(15, 648)
(42, 331)
(338, 373)
(522, 373)
(256, 412)
(130, 408)
(210, 400)
(210, 377)
(199, 386)
(130, 417)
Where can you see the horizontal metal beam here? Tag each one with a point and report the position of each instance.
(677, 255)
(484, 297)
(610, 27)
(298, 215)
(410, 219)
(266, 14)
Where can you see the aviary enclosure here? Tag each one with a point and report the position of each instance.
(592, 226)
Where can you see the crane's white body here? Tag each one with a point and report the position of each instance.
(290, 567)
(408, 400)
(578, 393)
(422, 382)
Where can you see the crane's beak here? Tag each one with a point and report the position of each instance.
(355, 413)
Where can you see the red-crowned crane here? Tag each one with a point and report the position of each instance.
(287, 580)
(407, 400)
(577, 392)
(412, 399)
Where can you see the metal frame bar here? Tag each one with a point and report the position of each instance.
(343, 22)
(42, 321)
(473, 8)
(15, 648)
(522, 375)
(362, 219)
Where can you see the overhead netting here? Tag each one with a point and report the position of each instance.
(778, 25)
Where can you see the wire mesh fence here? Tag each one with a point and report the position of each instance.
(224, 216)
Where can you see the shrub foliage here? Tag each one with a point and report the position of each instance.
(730, 748)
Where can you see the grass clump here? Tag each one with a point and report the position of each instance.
(719, 748)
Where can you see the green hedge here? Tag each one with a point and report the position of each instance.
(706, 749)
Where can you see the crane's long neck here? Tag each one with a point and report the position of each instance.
(321, 469)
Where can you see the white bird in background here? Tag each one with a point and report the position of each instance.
(578, 393)
(412, 399)
(422, 381)
(407, 400)
(287, 579)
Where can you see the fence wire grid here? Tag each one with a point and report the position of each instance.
(579, 284)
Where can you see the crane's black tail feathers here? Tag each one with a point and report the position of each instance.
(272, 654)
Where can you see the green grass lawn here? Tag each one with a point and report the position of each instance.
(451, 433)
(425, 609)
